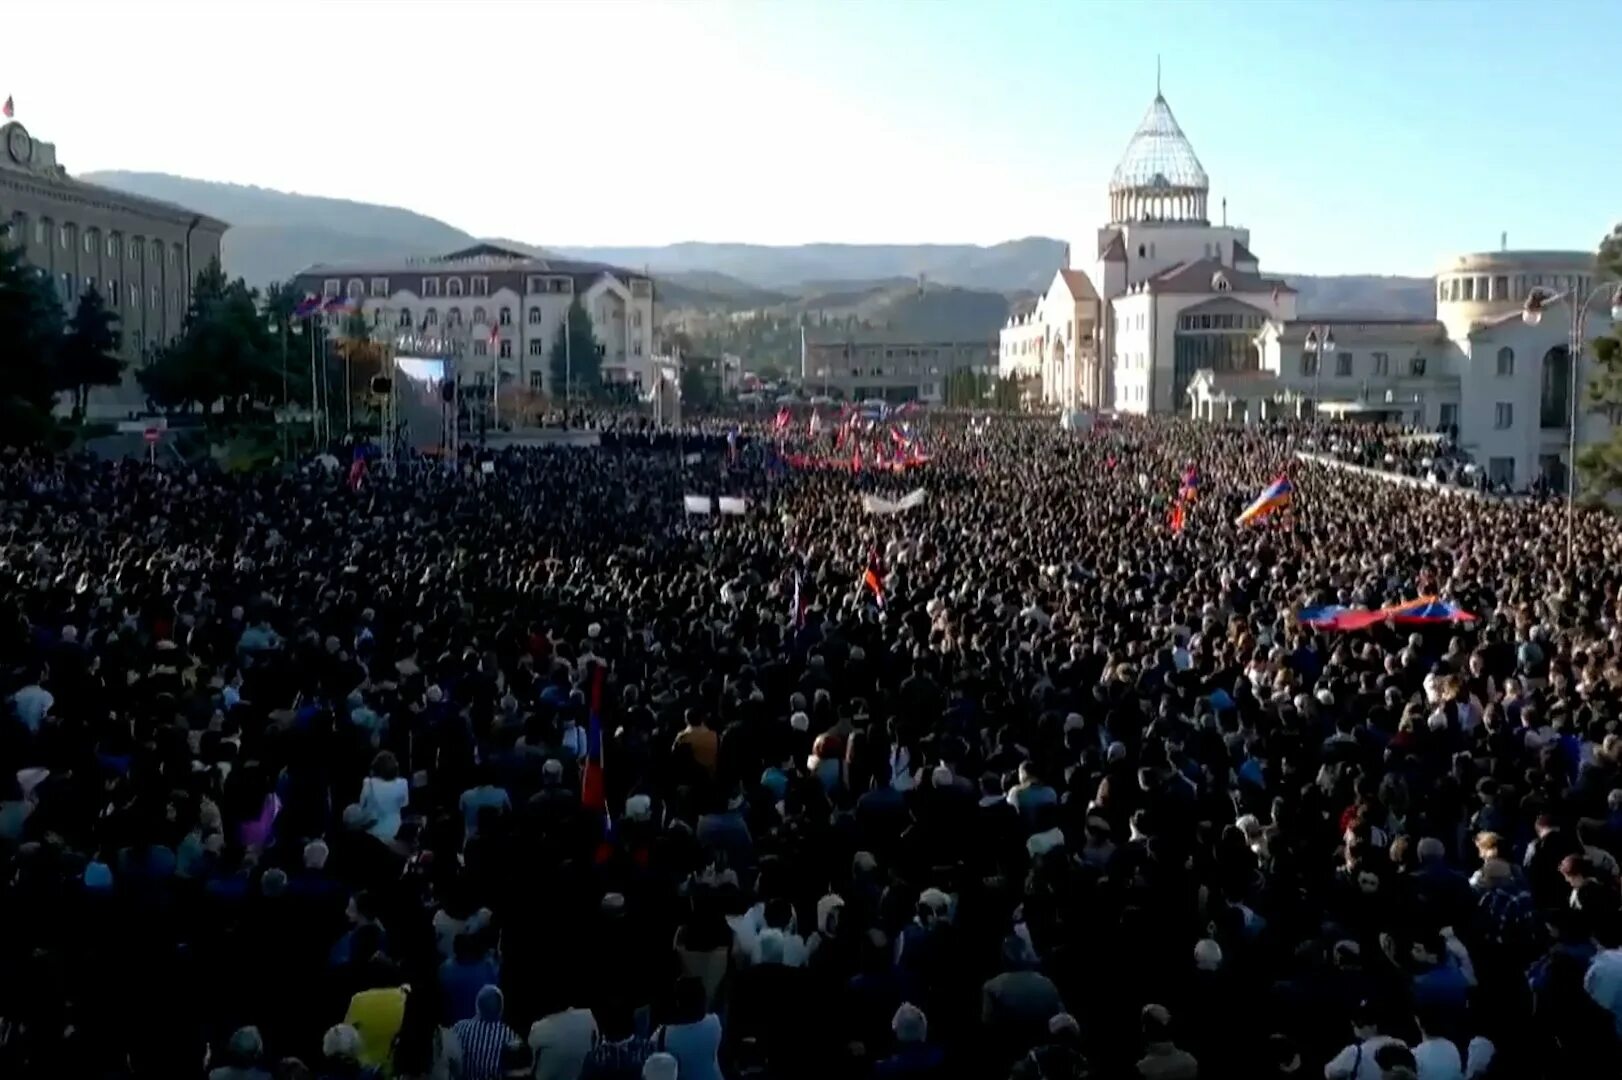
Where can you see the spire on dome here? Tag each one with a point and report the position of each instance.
(1159, 178)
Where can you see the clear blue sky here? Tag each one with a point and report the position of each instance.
(1349, 137)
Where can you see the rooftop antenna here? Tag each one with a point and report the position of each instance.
(1157, 75)
(1224, 211)
(1503, 241)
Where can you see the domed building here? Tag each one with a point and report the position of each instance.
(1164, 294)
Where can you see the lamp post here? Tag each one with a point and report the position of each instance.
(1319, 341)
(1531, 315)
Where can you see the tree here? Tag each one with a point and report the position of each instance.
(966, 389)
(575, 362)
(225, 354)
(88, 355)
(1600, 466)
(30, 337)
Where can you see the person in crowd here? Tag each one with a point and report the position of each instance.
(528, 723)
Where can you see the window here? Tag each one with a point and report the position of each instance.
(453, 317)
(112, 293)
(356, 290)
(1501, 470)
(66, 239)
(1343, 365)
(1449, 414)
(112, 247)
(430, 317)
(1469, 287)
(481, 286)
(506, 317)
(1506, 362)
(135, 342)
(329, 287)
(506, 350)
(1503, 416)
(39, 232)
(534, 316)
(405, 318)
(89, 243)
(1382, 363)
(534, 285)
(174, 255)
(479, 317)
(537, 347)
(430, 286)
(157, 298)
(380, 286)
(453, 287)
(636, 348)
(481, 348)
(1500, 287)
(1416, 367)
(1309, 363)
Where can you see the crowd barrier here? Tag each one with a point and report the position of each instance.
(1425, 482)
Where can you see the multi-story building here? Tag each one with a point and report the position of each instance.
(1478, 368)
(892, 365)
(142, 255)
(1168, 293)
(500, 310)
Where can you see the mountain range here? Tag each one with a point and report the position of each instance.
(939, 289)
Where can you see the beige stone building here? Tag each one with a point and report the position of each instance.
(894, 366)
(141, 254)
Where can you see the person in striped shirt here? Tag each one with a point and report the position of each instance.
(484, 1036)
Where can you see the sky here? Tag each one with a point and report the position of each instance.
(1370, 137)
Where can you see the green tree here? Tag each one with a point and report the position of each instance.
(966, 389)
(225, 354)
(576, 363)
(1008, 393)
(1599, 467)
(88, 355)
(30, 337)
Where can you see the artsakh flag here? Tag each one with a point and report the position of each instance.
(593, 792)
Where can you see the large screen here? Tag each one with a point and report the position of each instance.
(420, 414)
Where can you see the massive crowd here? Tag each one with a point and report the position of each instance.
(291, 781)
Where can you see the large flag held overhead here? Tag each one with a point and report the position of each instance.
(1278, 494)
(593, 791)
(1425, 611)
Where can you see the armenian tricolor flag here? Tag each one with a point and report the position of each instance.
(593, 791)
(310, 305)
(1278, 494)
(1190, 486)
(1425, 611)
(340, 305)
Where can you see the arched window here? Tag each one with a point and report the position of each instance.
(356, 289)
(431, 318)
(479, 316)
(506, 317)
(453, 317)
(453, 286)
(1554, 400)
(90, 241)
(1506, 362)
(534, 316)
(405, 318)
(112, 247)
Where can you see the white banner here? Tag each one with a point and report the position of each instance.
(731, 504)
(877, 504)
(696, 504)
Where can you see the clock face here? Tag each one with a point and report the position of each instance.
(19, 145)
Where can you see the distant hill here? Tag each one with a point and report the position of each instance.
(275, 234)
(1014, 264)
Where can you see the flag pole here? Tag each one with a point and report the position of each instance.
(315, 413)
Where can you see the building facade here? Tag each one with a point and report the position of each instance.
(142, 255)
(891, 365)
(1165, 293)
(497, 311)
(1478, 368)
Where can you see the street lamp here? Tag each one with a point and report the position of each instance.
(1532, 314)
(1320, 340)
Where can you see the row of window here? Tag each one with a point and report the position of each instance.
(1467, 288)
(71, 288)
(476, 285)
(91, 237)
(1220, 322)
(1132, 393)
(1380, 364)
(453, 317)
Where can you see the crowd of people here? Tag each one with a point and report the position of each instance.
(1434, 456)
(529, 773)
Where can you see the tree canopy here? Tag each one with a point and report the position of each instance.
(1600, 466)
(88, 355)
(576, 363)
(225, 354)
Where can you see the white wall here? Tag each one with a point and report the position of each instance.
(1164, 245)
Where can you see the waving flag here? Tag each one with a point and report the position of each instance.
(339, 305)
(870, 578)
(1425, 611)
(310, 305)
(814, 425)
(782, 419)
(1190, 486)
(1277, 494)
(1177, 517)
(593, 791)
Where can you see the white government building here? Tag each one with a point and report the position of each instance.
(1174, 316)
